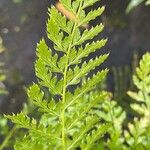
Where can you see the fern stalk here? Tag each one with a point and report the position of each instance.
(65, 81)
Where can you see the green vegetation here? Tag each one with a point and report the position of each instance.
(68, 108)
(17, 1)
(4, 129)
(2, 76)
(135, 3)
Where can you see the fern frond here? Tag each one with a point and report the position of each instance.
(62, 73)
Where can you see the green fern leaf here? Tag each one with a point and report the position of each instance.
(95, 135)
(84, 52)
(89, 34)
(45, 56)
(86, 67)
(88, 3)
(23, 121)
(37, 97)
(91, 16)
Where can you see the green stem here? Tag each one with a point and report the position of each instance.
(10, 134)
(65, 83)
(64, 94)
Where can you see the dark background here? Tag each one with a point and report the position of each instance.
(23, 24)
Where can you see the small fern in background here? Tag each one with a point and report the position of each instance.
(65, 120)
(142, 82)
(116, 116)
(139, 135)
(112, 113)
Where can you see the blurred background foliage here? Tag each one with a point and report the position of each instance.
(135, 3)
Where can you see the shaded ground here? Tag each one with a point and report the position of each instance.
(21, 28)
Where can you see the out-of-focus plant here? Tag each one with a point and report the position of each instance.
(116, 116)
(122, 81)
(2, 76)
(142, 82)
(135, 3)
(3, 126)
(4, 129)
(17, 1)
(112, 113)
(138, 136)
(9, 135)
